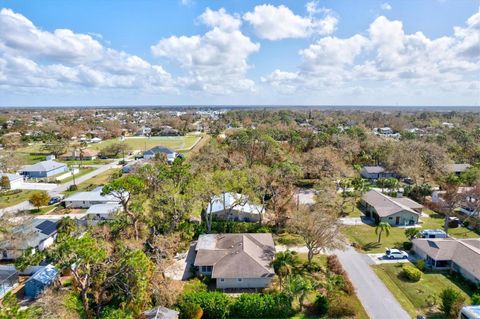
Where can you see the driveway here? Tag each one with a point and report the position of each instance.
(353, 221)
(380, 259)
(377, 300)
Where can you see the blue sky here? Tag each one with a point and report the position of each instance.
(403, 52)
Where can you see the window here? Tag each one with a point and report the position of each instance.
(222, 279)
(239, 279)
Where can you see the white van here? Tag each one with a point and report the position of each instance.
(470, 312)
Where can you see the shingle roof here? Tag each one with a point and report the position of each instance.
(44, 166)
(236, 255)
(386, 205)
(464, 252)
(31, 234)
(103, 209)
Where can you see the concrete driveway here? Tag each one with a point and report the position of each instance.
(380, 259)
(375, 297)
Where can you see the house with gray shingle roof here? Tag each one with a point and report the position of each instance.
(44, 169)
(236, 261)
(459, 255)
(395, 211)
(375, 172)
(457, 169)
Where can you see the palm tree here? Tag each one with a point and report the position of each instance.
(299, 286)
(382, 227)
(284, 264)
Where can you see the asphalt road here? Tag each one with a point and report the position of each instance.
(375, 297)
(60, 188)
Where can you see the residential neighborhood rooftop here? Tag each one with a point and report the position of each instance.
(386, 205)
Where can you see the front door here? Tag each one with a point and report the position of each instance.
(397, 220)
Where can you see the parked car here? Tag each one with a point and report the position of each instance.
(54, 200)
(395, 254)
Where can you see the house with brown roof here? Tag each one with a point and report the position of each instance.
(396, 211)
(459, 255)
(236, 261)
(86, 154)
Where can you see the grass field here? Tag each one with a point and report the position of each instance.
(14, 199)
(177, 143)
(83, 171)
(413, 296)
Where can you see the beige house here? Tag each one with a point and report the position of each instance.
(395, 211)
(459, 255)
(236, 261)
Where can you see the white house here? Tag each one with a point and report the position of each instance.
(38, 234)
(236, 260)
(16, 180)
(87, 199)
(234, 206)
(44, 169)
(103, 211)
(151, 153)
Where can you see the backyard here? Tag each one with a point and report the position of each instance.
(420, 297)
(91, 183)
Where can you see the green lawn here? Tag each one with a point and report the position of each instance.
(413, 296)
(87, 162)
(43, 210)
(11, 200)
(365, 236)
(353, 211)
(100, 179)
(436, 221)
(177, 143)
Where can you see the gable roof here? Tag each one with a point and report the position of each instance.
(386, 205)
(31, 234)
(234, 201)
(44, 166)
(103, 209)
(463, 252)
(236, 255)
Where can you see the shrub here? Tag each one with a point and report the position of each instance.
(452, 302)
(274, 305)
(191, 311)
(407, 245)
(411, 273)
(321, 305)
(194, 285)
(72, 188)
(288, 239)
(215, 305)
(476, 299)
(340, 307)
(420, 264)
(334, 265)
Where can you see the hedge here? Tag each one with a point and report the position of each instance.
(334, 265)
(411, 273)
(275, 305)
(215, 305)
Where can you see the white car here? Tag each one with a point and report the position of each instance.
(395, 254)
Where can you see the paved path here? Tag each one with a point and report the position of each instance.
(375, 297)
(60, 188)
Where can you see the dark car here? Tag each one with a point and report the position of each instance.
(54, 200)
